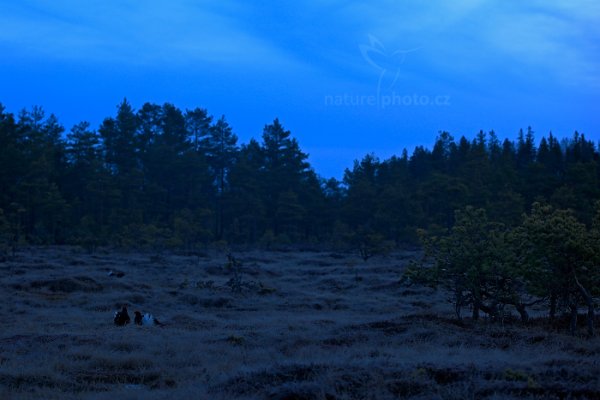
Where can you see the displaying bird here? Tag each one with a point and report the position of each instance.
(150, 320)
(137, 319)
(122, 317)
(146, 320)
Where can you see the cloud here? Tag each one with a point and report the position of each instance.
(471, 40)
(551, 45)
(461, 41)
(150, 32)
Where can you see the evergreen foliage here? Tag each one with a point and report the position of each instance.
(162, 167)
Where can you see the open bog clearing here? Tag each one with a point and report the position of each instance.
(300, 325)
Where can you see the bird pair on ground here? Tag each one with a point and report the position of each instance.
(122, 318)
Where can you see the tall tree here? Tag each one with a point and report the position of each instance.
(198, 123)
(285, 167)
(119, 138)
(246, 197)
(220, 147)
(85, 173)
(526, 150)
(39, 185)
(12, 158)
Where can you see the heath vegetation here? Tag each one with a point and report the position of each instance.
(304, 328)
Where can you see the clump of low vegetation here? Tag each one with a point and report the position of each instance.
(234, 267)
(372, 244)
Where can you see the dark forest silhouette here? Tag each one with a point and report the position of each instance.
(160, 176)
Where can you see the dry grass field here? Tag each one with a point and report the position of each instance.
(303, 325)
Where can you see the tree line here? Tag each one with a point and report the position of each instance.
(162, 177)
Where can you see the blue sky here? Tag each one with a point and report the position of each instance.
(346, 77)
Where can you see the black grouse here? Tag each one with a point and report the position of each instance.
(122, 317)
(138, 318)
(146, 319)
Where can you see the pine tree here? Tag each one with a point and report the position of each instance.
(220, 148)
(560, 260)
(38, 191)
(246, 198)
(12, 158)
(198, 125)
(119, 139)
(84, 173)
(285, 167)
(526, 150)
